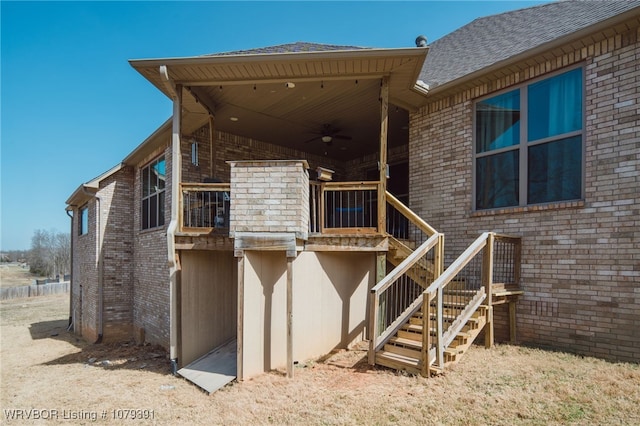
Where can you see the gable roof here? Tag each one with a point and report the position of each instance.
(84, 192)
(498, 38)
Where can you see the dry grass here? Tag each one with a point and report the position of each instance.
(15, 275)
(44, 367)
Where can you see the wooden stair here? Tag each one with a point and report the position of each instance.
(421, 273)
(403, 350)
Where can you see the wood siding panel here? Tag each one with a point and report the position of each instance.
(209, 306)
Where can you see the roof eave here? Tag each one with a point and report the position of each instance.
(80, 196)
(273, 57)
(144, 66)
(87, 190)
(143, 149)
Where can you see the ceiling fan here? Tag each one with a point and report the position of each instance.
(327, 134)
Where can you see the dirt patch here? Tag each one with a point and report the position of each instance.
(49, 371)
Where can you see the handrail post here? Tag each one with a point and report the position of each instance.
(439, 257)
(322, 207)
(181, 209)
(373, 326)
(439, 329)
(517, 260)
(382, 208)
(487, 281)
(438, 262)
(426, 332)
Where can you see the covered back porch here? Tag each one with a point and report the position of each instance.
(284, 161)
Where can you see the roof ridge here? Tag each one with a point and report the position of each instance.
(298, 46)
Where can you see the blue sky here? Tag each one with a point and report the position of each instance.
(72, 107)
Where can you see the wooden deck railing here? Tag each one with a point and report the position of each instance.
(397, 296)
(401, 290)
(205, 207)
(344, 207)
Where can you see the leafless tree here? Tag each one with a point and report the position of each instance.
(50, 253)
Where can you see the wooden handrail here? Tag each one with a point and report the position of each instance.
(376, 341)
(405, 264)
(350, 186)
(462, 260)
(434, 292)
(213, 187)
(409, 214)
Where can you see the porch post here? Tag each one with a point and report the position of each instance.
(240, 326)
(290, 317)
(384, 126)
(212, 146)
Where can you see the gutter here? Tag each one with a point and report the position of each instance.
(174, 267)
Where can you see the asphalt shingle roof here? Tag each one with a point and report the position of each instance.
(495, 38)
(296, 47)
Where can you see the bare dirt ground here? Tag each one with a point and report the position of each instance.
(16, 274)
(64, 380)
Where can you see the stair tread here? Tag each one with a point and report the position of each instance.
(413, 362)
(403, 351)
(413, 327)
(406, 342)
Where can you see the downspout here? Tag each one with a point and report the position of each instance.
(100, 263)
(71, 313)
(176, 172)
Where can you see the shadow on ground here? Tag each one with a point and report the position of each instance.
(108, 356)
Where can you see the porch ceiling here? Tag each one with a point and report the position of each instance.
(337, 88)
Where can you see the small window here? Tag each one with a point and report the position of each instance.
(83, 223)
(529, 144)
(153, 188)
(194, 153)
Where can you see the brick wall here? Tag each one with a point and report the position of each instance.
(358, 168)
(104, 253)
(580, 266)
(270, 196)
(116, 193)
(230, 147)
(151, 307)
(84, 276)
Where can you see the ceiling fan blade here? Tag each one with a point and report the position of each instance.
(313, 139)
(343, 137)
